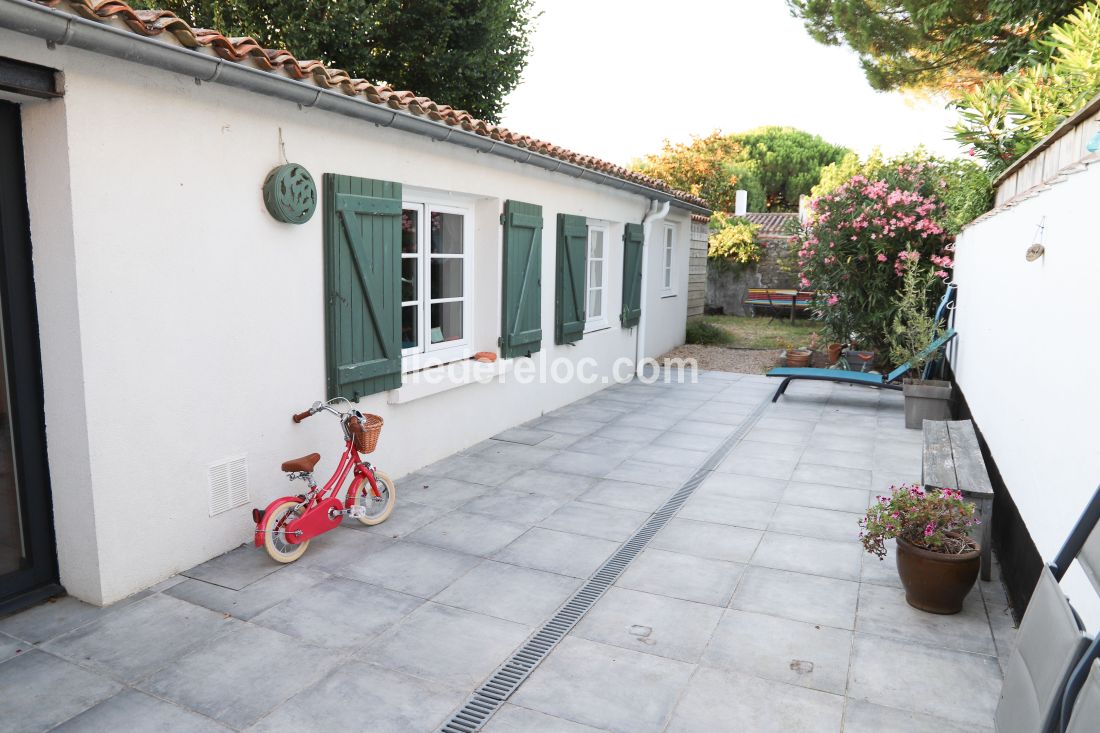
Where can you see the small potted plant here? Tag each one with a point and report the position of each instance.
(912, 330)
(794, 357)
(837, 321)
(937, 562)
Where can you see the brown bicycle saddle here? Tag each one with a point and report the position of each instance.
(304, 464)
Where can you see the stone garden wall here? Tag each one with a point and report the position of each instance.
(726, 288)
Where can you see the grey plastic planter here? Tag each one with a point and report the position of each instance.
(926, 399)
(859, 361)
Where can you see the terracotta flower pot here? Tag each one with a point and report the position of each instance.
(799, 357)
(936, 582)
(832, 352)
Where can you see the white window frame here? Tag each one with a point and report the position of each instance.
(600, 322)
(668, 261)
(427, 354)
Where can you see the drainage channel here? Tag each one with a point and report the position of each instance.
(509, 676)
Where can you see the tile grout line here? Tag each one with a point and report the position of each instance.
(507, 678)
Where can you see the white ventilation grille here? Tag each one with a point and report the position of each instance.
(228, 484)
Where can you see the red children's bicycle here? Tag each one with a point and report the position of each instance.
(287, 525)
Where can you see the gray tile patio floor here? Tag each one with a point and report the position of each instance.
(754, 609)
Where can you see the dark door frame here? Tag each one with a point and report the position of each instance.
(24, 366)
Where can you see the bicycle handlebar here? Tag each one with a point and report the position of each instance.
(319, 407)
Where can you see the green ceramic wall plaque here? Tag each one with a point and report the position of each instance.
(290, 194)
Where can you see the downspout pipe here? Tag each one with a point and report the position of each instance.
(60, 28)
(657, 212)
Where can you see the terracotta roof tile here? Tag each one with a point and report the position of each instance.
(154, 23)
(772, 223)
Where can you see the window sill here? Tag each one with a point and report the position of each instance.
(668, 295)
(428, 382)
(424, 360)
(596, 326)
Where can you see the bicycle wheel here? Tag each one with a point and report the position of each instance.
(278, 547)
(378, 508)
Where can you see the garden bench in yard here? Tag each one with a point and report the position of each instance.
(952, 460)
(776, 298)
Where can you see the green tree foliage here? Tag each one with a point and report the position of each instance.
(776, 165)
(707, 166)
(836, 174)
(1005, 117)
(937, 44)
(788, 162)
(465, 53)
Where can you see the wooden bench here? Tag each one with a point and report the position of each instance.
(953, 460)
(776, 298)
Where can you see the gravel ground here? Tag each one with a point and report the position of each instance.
(723, 359)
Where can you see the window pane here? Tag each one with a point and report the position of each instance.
(408, 278)
(410, 331)
(595, 242)
(410, 226)
(446, 322)
(595, 274)
(595, 304)
(446, 277)
(446, 233)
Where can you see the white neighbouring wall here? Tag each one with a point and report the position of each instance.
(181, 325)
(1027, 357)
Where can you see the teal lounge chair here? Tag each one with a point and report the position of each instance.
(849, 377)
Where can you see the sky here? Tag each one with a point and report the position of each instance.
(615, 78)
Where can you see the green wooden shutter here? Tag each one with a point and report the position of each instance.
(521, 303)
(569, 293)
(632, 276)
(362, 228)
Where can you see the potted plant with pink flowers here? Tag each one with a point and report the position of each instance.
(937, 562)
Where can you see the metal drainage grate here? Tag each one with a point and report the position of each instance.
(509, 676)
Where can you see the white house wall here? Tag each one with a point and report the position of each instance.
(1027, 354)
(666, 317)
(181, 325)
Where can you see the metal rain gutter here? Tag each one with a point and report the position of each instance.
(60, 28)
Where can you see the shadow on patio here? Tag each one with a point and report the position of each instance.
(754, 608)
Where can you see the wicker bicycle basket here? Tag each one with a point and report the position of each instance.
(366, 433)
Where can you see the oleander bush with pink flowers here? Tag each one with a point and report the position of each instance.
(863, 235)
(935, 520)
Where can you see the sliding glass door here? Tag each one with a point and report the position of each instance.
(13, 555)
(28, 561)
